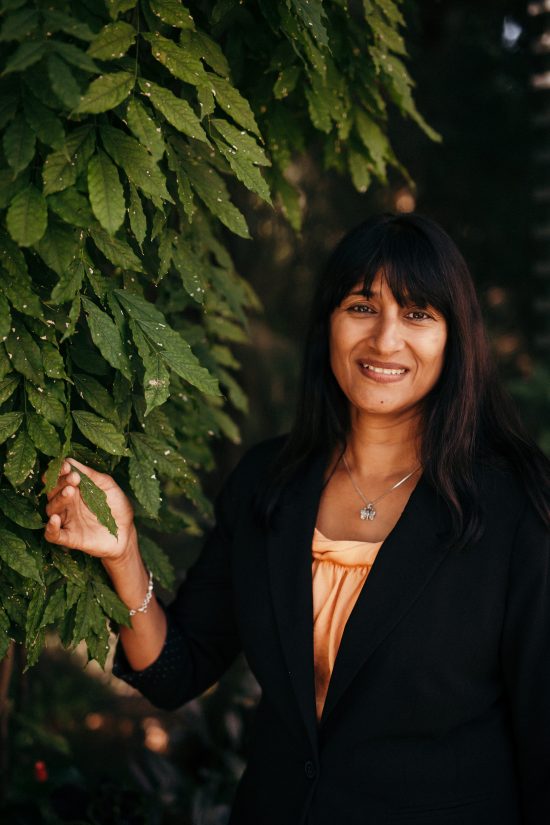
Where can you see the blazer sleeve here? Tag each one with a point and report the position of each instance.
(202, 637)
(526, 662)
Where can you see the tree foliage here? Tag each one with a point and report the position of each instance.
(125, 129)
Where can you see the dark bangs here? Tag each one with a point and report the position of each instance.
(414, 267)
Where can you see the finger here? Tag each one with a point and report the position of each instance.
(65, 469)
(60, 502)
(71, 479)
(54, 533)
(83, 468)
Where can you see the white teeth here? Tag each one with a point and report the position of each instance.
(382, 371)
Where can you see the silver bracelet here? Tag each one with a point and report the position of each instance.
(148, 596)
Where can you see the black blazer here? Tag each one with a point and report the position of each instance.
(438, 709)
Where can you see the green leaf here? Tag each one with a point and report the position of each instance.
(61, 168)
(72, 207)
(55, 21)
(70, 282)
(375, 141)
(19, 25)
(359, 167)
(204, 48)
(96, 396)
(51, 477)
(59, 247)
(20, 459)
(18, 286)
(35, 612)
(244, 170)
(245, 145)
(63, 82)
(181, 63)
(27, 216)
(113, 41)
(28, 53)
(47, 126)
(93, 496)
(106, 193)
(319, 108)
(390, 9)
(15, 554)
(73, 317)
(67, 565)
(43, 434)
(140, 168)
(24, 354)
(111, 604)
(147, 130)
(19, 144)
(178, 112)
(5, 326)
(289, 197)
(85, 616)
(145, 486)
(46, 404)
(8, 385)
(100, 432)
(190, 268)
(286, 82)
(116, 251)
(116, 7)
(231, 100)
(157, 561)
(386, 37)
(212, 190)
(55, 607)
(149, 449)
(54, 365)
(311, 13)
(106, 92)
(106, 337)
(185, 193)
(172, 12)
(75, 55)
(9, 102)
(20, 509)
(166, 342)
(156, 380)
(138, 221)
(9, 424)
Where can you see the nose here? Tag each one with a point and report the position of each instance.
(386, 334)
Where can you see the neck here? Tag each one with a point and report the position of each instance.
(384, 445)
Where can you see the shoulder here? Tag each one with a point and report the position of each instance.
(506, 500)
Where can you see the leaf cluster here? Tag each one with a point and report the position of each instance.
(124, 129)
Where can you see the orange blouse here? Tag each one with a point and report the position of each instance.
(339, 570)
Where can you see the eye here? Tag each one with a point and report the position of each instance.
(360, 309)
(419, 314)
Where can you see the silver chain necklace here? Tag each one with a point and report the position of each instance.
(368, 512)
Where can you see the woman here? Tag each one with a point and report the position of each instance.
(385, 567)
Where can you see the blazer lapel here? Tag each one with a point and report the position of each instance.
(289, 560)
(408, 558)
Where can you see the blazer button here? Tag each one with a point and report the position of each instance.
(310, 769)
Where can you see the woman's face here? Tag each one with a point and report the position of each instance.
(386, 358)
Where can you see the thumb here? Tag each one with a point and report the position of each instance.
(54, 532)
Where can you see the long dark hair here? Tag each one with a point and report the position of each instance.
(467, 416)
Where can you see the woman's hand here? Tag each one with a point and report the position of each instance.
(72, 524)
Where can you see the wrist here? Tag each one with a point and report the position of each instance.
(127, 555)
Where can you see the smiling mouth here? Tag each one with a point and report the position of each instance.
(383, 370)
